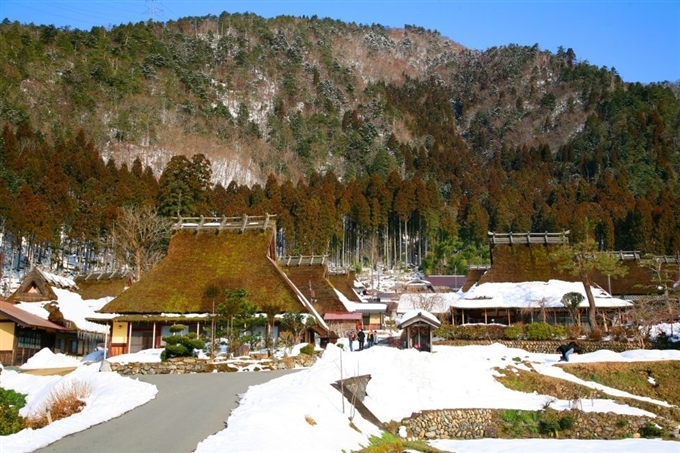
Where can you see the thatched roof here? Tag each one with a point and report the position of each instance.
(197, 260)
(530, 262)
(523, 263)
(96, 285)
(37, 286)
(311, 280)
(638, 281)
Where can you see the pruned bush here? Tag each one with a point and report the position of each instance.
(181, 345)
(618, 333)
(64, 401)
(308, 349)
(539, 331)
(10, 404)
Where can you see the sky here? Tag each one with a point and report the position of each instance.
(641, 39)
(403, 381)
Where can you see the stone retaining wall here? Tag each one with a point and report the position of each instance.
(487, 423)
(185, 365)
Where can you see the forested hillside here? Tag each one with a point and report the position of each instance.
(370, 144)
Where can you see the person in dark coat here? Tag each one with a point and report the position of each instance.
(567, 349)
(361, 336)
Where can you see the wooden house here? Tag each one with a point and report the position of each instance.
(332, 294)
(226, 253)
(517, 260)
(38, 286)
(23, 334)
(54, 299)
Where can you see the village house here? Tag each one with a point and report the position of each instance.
(46, 311)
(228, 253)
(332, 294)
(523, 284)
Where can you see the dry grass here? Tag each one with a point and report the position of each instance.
(63, 401)
(310, 420)
(655, 380)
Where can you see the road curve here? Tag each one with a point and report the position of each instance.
(187, 409)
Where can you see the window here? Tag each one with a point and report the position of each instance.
(28, 339)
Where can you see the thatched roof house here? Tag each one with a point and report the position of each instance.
(332, 294)
(232, 254)
(198, 259)
(37, 285)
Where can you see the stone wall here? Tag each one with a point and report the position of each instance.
(185, 365)
(487, 423)
(548, 346)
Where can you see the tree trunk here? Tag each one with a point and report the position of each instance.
(592, 310)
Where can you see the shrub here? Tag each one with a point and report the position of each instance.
(595, 335)
(181, 345)
(10, 404)
(307, 349)
(513, 332)
(573, 332)
(63, 401)
(618, 333)
(650, 430)
(539, 331)
(558, 331)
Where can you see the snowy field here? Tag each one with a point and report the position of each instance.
(301, 412)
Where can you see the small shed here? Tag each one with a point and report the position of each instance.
(417, 326)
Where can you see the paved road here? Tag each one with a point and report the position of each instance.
(187, 409)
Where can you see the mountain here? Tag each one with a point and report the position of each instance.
(512, 138)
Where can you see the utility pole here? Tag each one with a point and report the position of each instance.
(152, 10)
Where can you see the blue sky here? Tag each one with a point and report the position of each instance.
(641, 39)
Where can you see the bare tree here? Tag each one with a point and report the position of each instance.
(140, 238)
(425, 301)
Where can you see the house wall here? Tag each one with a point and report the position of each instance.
(6, 341)
(119, 332)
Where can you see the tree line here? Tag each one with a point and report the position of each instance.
(59, 197)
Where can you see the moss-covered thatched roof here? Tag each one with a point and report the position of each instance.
(325, 299)
(523, 263)
(199, 260)
(103, 284)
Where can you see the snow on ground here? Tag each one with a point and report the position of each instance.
(47, 359)
(111, 396)
(301, 412)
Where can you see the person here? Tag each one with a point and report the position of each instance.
(567, 349)
(351, 337)
(361, 336)
(370, 338)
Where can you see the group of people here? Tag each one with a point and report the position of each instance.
(362, 337)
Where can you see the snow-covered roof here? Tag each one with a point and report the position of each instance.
(58, 280)
(413, 315)
(74, 309)
(530, 294)
(370, 307)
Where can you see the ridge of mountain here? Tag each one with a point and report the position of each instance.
(290, 95)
